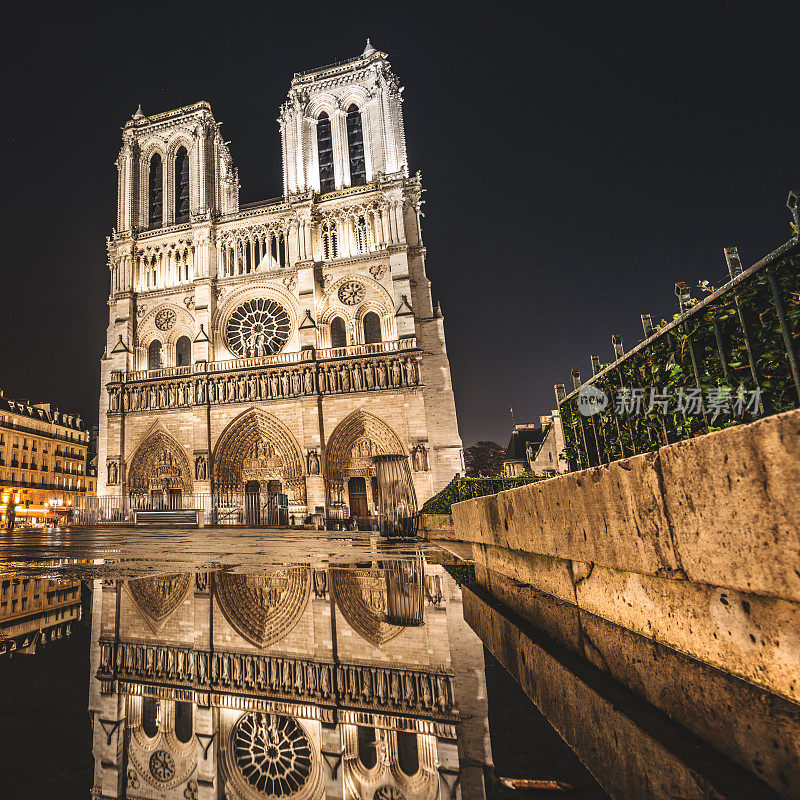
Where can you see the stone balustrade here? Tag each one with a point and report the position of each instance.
(360, 368)
(406, 691)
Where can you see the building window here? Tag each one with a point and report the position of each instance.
(367, 747)
(183, 352)
(325, 153)
(362, 235)
(338, 332)
(372, 328)
(181, 185)
(355, 147)
(150, 716)
(156, 185)
(183, 721)
(407, 753)
(330, 241)
(154, 357)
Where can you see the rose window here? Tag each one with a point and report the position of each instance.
(162, 766)
(165, 319)
(352, 293)
(259, 327)
(272, 753)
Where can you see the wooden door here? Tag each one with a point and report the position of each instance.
(357, 489)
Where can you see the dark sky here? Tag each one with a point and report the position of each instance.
(579, 159)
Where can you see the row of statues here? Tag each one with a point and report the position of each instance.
(389, 373)
(355, 684)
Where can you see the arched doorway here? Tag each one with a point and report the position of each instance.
(159, 475)
(258, 472)
(349, 470)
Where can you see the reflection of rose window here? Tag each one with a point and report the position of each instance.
(259, 327)
(162, 766)
(272, 753)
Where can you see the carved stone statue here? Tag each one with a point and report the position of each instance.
(308, 381)
(396, 373)
(273, 385)
(382, 374)
(295, 382)
(200, 468)
(411, 376)
(113, 473)
(313, 462)
(284, 385)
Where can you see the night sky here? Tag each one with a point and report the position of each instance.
(580, 158)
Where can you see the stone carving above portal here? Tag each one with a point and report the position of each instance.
(159, 598)
(361, 596)
(264, 608)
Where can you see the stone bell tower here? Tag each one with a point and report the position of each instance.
(330, 107)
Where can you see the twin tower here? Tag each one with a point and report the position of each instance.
(274, 348)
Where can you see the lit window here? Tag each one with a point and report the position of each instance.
(325, 153)
(355, 147)
(181, 185)
(156, 186)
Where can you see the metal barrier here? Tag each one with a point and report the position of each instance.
(725, 360)
(252, 509)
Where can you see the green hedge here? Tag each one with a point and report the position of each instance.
(466, 488)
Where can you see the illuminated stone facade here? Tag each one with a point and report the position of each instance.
(299, 682)
(276, 346)
(42, 460)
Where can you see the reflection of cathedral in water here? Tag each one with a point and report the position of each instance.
(295, 682)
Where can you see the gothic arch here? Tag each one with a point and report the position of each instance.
(361, 596)
(263, 608)
(239, 441)
(159, 598)
(159, 462)
(354, 441)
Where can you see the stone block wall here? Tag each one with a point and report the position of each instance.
(674, 576)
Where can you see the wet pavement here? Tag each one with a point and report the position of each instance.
(256, 663)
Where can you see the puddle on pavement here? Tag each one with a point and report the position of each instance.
(257, 666)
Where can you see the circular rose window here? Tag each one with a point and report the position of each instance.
(165, 319)
(162, 766)
(259, 327)
(352, 293)
(272, 753)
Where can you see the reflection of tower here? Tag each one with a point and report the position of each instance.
(337, 701)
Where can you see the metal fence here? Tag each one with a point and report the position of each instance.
(231, 508)
(734, 355)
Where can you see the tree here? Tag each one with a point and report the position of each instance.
(484, 458)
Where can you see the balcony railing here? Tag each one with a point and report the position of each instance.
(387, 366)
(280, 359)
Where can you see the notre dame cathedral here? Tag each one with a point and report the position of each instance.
(275, 347)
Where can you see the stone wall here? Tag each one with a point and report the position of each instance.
(674, 575)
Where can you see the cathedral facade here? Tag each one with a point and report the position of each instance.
(275, 347)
